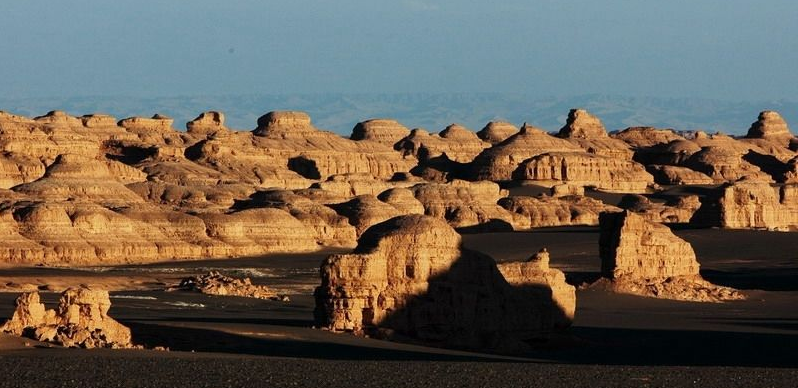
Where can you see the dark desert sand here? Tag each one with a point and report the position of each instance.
(616, 340)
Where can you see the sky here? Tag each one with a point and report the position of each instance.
(717, 49)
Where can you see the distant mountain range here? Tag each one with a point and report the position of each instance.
(340, 112)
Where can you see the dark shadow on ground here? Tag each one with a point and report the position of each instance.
(766, 279)
(203, 340)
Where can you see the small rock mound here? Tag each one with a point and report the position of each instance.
(206, 122)
(81, 320)
(280, 123)
(214, 283)
(497, 131)
(645, 258)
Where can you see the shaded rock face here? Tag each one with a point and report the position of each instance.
(409, 277)
(582, 125)
(750, 205)
(81, 320)
(214, 283)
(770, 126)
(645, 137)
(680, 210)
(457, 143)
(603, 173)
(675, 175)
(645, 258)
(384, 131)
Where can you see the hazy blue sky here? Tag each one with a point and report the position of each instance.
(726, 49)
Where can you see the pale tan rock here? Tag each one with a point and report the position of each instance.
(402, 199)
(214, 283)
(581, 124)
(772, 127)
(583, 169)
(458, 143)
(385, 131)
(206, 123)
(397, 281)
(675, 175)
(725, 164)
(536, 272)
(258, 231)
(751, 204)
(500, 161)
(547, 211)
(496, 132)
(567, 189)
(645, 258)
(679, 210)
(364, 211)
(468, 205)
(645, 137)
(81, 320)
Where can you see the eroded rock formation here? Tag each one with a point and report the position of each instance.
(214, 283)
(409, 277)
(81, 320)
(645, 258)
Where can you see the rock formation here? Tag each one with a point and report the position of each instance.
(545, 211)
(385, 131)
(678, 210)
(583, 169)
(214, 283)
(770, 126)
(587, 131)
(750, 204)
(645, 258)
(409, 277)
(675, 175)
(496, 132)
(81, 320)
(458, 143)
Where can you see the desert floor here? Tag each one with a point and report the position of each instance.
(616, 340)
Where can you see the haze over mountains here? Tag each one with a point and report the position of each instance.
(340, 112)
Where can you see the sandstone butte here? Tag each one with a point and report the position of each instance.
(80, 320)
(645, 258)
(409, 278)
(287, 186)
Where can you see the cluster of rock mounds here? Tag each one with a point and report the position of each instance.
(211, 191)
(214, 283)
(409, 277)
(80, 320)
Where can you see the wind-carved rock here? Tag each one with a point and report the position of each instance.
(645, 258)
(206, 123)
(214, 283)
(409, 277)
(750, 204)
(770, 126)
(583, 169)
(81, 320)
(458, 143)
(587, 131)
(384, 131)
(496, 132)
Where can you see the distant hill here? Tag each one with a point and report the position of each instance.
(340, 112)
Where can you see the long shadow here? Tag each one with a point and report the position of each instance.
(766, 279)
(307, 323)
(643, 347)
(202, 340)
(790, 324)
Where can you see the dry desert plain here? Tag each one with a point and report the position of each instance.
(291, 256)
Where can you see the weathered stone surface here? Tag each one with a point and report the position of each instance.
(547, 211)
(678, 210)
(770, 126)
(675, 175)
(458, 143)
(409, 277)
(601, 172)
(645, 137)
(364, 211)
(645, 258)
(498, 162)
(385, 131)
(206, 123)
(214, 283)
(725, 164)
(582, 125)
(496, 132)
(471, 205)
(81, 320)
(750, 204)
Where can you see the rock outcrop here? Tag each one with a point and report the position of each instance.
(81, 320)
(750, 204)
(645, 258)
(458, 143)
(545, 211)
(583, 169)
(771, 126)
(496, 132)
(214, 283)
(385, 131)
(409, 277)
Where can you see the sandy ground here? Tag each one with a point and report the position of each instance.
(616, 340)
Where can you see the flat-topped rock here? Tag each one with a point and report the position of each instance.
(206, 122)
(158, 123)
(584, 169)
(280, 123)
(384, 131)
